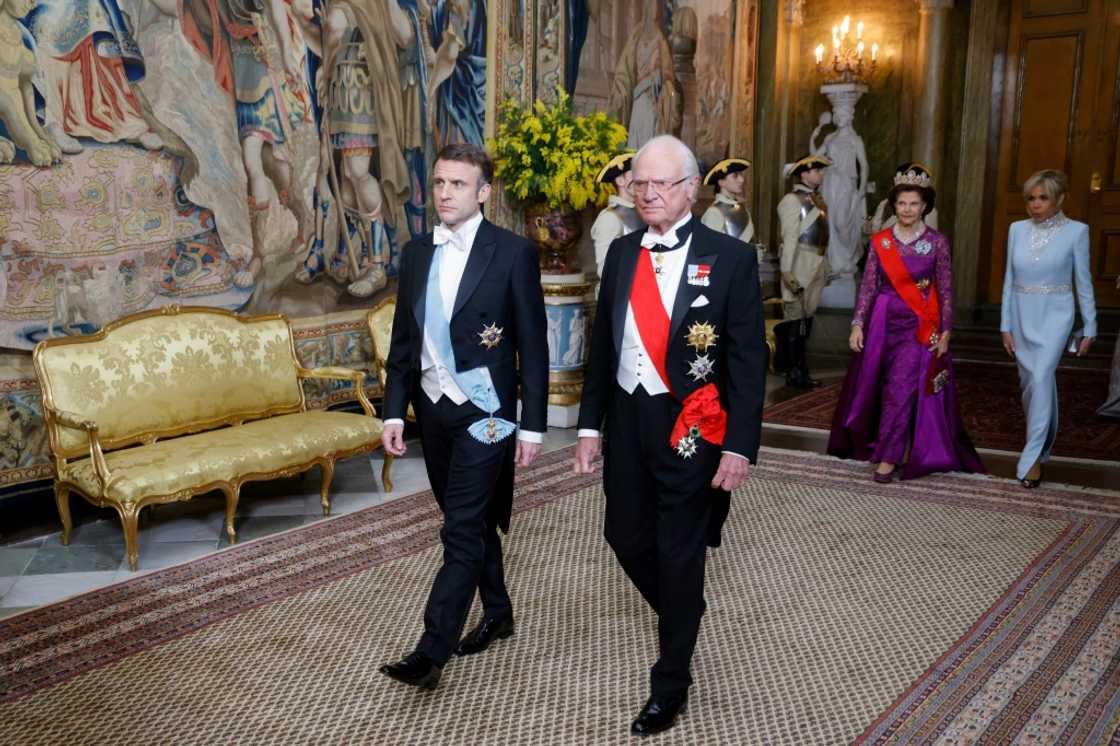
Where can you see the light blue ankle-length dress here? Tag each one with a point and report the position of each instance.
(1047, 265)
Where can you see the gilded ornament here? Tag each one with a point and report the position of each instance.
(490, 336)
(701, 336)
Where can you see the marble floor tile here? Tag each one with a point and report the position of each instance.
(29, 543)
(293, 504)
(75, 559)
(14, 560)
(350, 502)
(166, 553)
(6, 584)
(557, 438)
(254, 527)
(36, 590)
(194, 526)
(94, 532)
(11, 611)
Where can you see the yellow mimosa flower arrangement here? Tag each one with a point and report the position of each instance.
(546, 153)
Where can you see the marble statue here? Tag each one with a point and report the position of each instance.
(844, 190)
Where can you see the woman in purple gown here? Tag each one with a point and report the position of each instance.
(899, 404)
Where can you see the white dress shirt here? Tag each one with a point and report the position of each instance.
(634, 366)
(435, 377)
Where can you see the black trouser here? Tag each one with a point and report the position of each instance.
(462, 472)
(658, 508)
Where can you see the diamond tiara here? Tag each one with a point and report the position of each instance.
(912, 178)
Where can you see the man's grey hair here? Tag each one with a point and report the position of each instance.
(684, 153)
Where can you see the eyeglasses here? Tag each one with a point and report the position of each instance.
(659, 186)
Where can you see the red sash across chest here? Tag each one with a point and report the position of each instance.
(925, 308)
(701, 408)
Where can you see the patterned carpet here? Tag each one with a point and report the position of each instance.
(951, 608)
(993, 412)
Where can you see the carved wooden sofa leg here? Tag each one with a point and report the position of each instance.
(130, 519)
(386, 467)
(62, 500)
(327, 468)
(232, 493)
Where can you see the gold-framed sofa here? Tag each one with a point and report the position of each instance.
(167, 404)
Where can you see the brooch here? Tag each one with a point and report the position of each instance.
(700, 368)
(923, 247)
(701, 336)
(886, 243)
(490, 336)
(698, 274)
(686, 446)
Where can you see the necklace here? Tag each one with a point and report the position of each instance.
(1044, 230)
(908, 235)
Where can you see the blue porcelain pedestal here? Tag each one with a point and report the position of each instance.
(569, 300)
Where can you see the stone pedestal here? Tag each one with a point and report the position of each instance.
(568, 301)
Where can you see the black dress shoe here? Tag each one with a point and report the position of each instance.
(659, 714)
(488, 630)
(416, 669)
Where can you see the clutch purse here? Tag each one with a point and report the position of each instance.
(1074, 341)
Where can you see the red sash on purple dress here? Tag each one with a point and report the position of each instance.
(926, 308)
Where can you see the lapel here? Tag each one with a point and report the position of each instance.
(420, 278)
(627, 264)
(477, 262)
(687, 293)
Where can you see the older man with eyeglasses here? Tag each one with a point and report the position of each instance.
(675, 385)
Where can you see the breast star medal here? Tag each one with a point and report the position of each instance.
(490, 336)
(700, 368)
(686, 446)
(701, 336)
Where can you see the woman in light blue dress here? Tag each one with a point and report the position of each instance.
(1045, 255)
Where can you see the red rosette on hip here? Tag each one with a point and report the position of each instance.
(701, 410)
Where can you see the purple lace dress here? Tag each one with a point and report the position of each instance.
(886, 409)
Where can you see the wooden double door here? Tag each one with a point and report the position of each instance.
(1061, 109)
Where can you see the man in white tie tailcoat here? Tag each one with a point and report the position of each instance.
(469, 330)
(674, 390)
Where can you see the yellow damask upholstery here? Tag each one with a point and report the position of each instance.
(163, 373)
(380, 322)
(224, 455)
(213, 398)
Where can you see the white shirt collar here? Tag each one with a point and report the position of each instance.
(721, 197)
(615, 199)
(467, 231)
(676, 225)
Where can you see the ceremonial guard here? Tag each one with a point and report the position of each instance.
(728, 213)
(619, 216)
(804, 262)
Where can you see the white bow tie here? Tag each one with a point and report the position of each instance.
(442, 236)
(651, 239)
